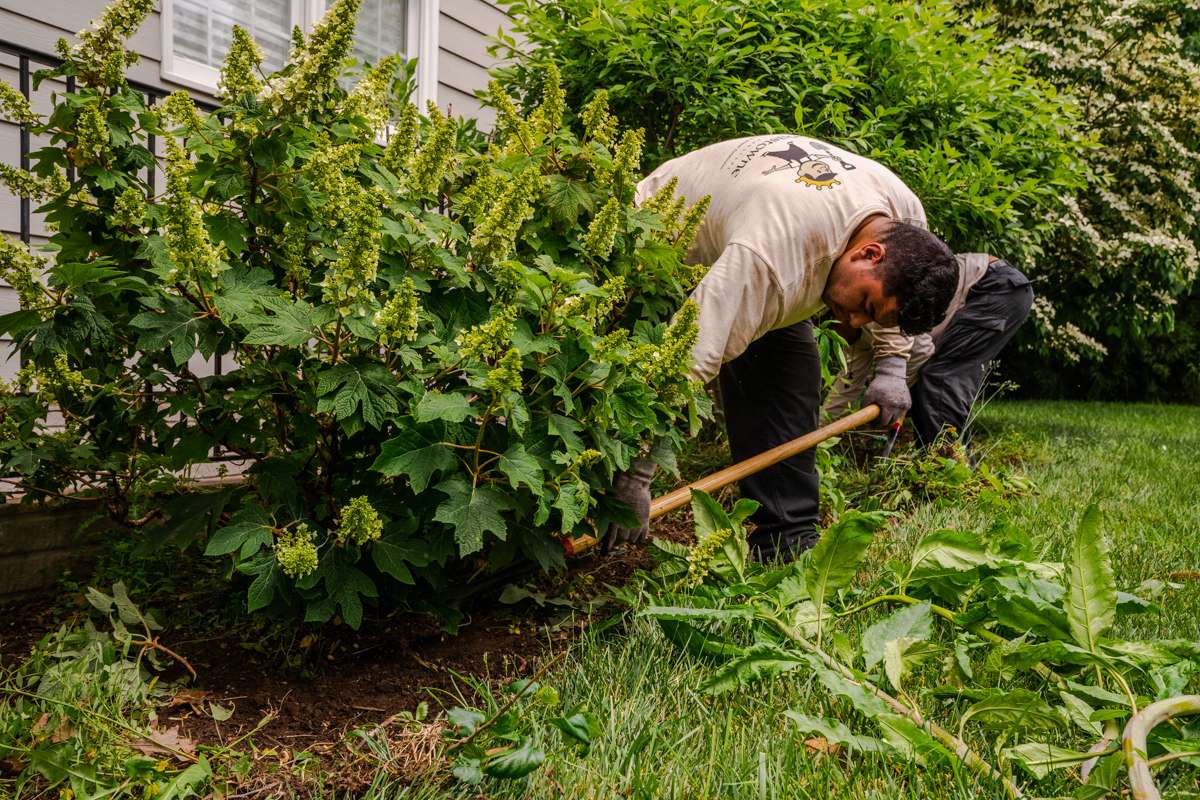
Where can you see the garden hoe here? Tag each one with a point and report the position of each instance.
(683, 495)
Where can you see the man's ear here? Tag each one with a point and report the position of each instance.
(872, 252)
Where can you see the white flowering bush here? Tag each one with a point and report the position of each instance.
(434, 349)
(1123, 250)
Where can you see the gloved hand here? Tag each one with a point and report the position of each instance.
(889, 389)
(633, 489)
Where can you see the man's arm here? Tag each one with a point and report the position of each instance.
(889, 342)
(889, 385)
(739, 301)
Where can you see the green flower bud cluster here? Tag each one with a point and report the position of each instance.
(15, 108)
(10, 423)
(54, 381)
(188, 244)
(701, 554)
(690, 275)
(500, 205)
(626, 161)
(64, 380)
(99, 52)
(598, 241)
(486, 340)
(662, 201)
(599, 125)
(370, 96)
(403, 142)
(243, 63)
(610, 346)
(691, 223)
(91, 138)
(298, 43)
(429, 165)
(678, 226)
(549, 114)
(26, 184)
(663, 366)
(511, 127)
(318, 64)
(179, 110)
(129, 211)
(614, 295)
(585, 458)
(296, 552)
(397, 320)
(295, 253)
(357, 265)
(19, 269)
(360, 523)
(505, 377)
(329, 169)
(510, 279)
(596, 307)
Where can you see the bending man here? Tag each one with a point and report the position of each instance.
(795, 226)
(946, 366)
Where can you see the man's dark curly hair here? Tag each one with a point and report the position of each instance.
(921, 273)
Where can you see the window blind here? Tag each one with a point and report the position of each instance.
(203, 29)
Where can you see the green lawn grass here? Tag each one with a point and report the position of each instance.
(664, 739)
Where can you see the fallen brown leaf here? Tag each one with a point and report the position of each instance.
(189, 697)
(820, 744)
(167, 742)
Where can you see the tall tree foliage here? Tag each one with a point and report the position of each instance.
(988, 147)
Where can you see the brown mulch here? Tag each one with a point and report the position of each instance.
(357, 680)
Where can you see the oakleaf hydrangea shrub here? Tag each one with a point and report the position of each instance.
(436, 349)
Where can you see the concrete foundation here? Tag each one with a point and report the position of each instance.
(37, 543)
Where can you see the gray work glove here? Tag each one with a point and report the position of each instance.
(632, 488)
(889, 389)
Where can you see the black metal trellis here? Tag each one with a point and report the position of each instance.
(29, 61)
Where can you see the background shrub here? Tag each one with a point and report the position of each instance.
(987, 146)
(432, 351)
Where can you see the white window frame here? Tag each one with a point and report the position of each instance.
(421, 33)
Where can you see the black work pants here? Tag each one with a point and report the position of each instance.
(771, 394)
(949, 382)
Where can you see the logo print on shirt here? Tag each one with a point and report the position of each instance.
(812, 169)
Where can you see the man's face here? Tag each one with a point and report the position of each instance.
(854, 293)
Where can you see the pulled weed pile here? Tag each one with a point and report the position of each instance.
(941, 473)
(996, 659)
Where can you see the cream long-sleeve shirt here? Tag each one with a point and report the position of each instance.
(783, 209)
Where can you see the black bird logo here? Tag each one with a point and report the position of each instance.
(811, 170)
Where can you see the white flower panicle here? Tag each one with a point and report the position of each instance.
(99, 52)
(239, 73)
(371, 95)
(318, 63)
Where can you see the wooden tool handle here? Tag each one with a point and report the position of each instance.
(683, 495)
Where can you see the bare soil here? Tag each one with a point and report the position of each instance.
(358, 679)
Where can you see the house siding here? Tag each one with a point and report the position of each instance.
(464, 27)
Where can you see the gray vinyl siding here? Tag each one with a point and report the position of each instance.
(463, 62)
